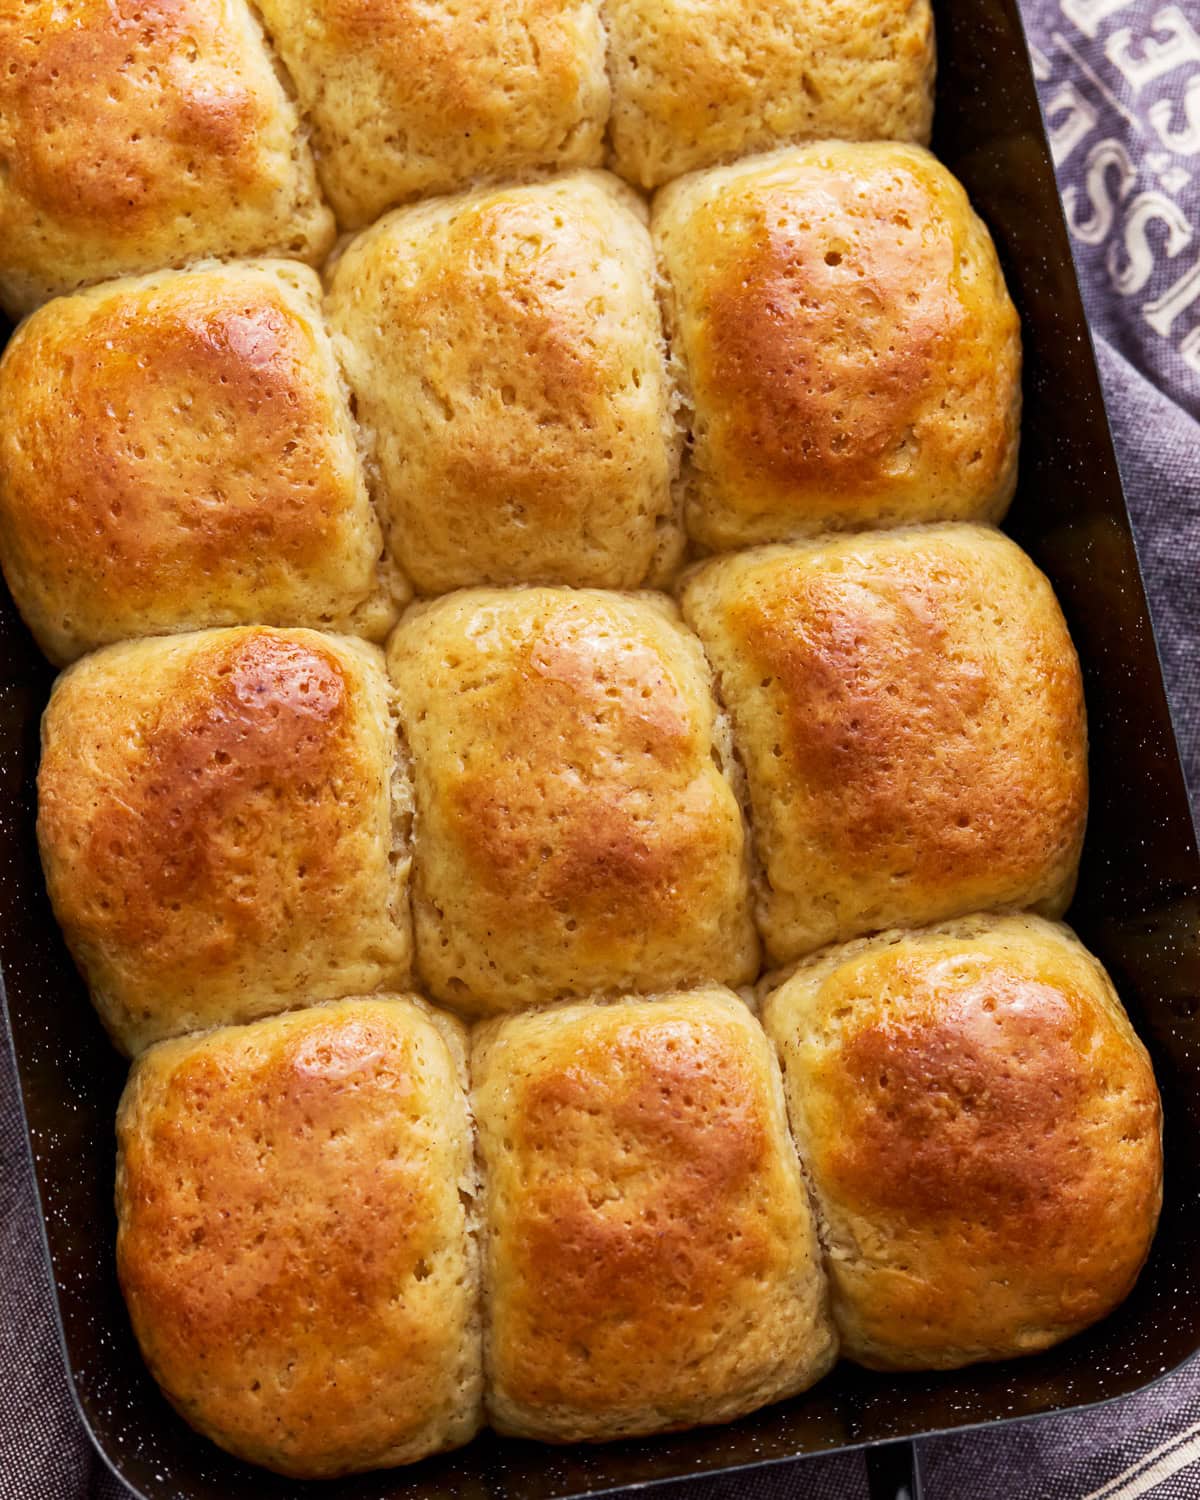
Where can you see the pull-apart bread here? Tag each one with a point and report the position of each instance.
(414, 97)
(651, 1261)
(137, 134)
(982, 1132)
(576, 830)
(507, 355)
(908, 708)
(224, 819)
(700, 81)
(549, 601)
(849, 350)
(177, 451)
(296, 1202)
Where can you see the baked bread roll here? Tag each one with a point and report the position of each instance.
(706, 80)
(576, 832)
(415, 97)
(852, 354)
(177, 451)
(982, 1131)
(651, 1261)
(296, 1240)
(506, 351)
(139, 134)
(223, 820)
(909, 711)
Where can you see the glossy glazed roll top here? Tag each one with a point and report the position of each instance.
(138, 134)
(224, 827)
(576, 829)
(909, 710)
(177, 451)
(651, 1259)
(297, 1208)
(982, 1132)
(851, 355)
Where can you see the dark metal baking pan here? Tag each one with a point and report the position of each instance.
(1138, 907)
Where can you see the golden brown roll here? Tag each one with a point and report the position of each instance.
(576, 832)
(982, 1131)
(296, 1241)
(507, 354)
(909, 711)
(707, 80)
(410, 98)
(140, 133)
(177, 451)
(852, 354)
(651, 1261)
(224, 820)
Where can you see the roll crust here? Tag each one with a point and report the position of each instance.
(699, 83)
(506, 351)
(909, 710)
(852, 355)
(296, 1215)
(575, 834)
(651, 1260)
(982, 1130)
(410, 98)
(140, 134)
(177, 452)
(223, 821)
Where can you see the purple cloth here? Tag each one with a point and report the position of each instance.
(1120, 84)
(1120, 88)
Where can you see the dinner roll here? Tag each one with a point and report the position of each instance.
(909, 711)
(506, 350)
(177, 451)
(576, 832)
(695, 81)
(413, 97)
(982, 1130)
(852, 354)
(136, 134)
(651, 1260)
(223, 819)
(296, 1241)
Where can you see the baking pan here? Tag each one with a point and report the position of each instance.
(1138, 907)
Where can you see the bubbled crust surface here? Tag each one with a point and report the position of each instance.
(507, 353)
(574, 831)
(909, 710)
(224, 827)
(141, 133)
(983, 1133)
(296, 1235)
(178, 452)
(415, 97)
(852, 353)
(698, 82)
(651, 1261)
